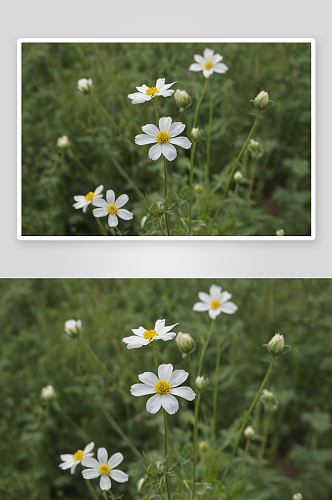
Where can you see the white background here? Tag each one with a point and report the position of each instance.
(162, 18)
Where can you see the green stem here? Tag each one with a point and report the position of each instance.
(245, 454)
(191, 369)
(166, 458)
(216, 377)
(188, 124)
(153, 347)
(79, 163)
(114, 124)
(113, 232)
(191, 181)
(155, 108)
(199, 103)
(266, 430)
(246, 419)
(230, 208)
(90, 488)
(166, 208)
(197, 403)
(236, 162)
(125, 175)
(251, 185)
(204, 349)
(95, 357)
(208, 146)
(101, 227)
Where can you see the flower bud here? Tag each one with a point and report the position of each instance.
(143, 221)
(48, 393)
(249, 432)
(297, 496)
(73, 328)
(200, 383)
(255, 148)
(84, 85)
(63, 142)
(276, 345)
(262, 100)
(280, 232)
(196, 134)
(203, 446)
(183, 99)
(185, 342)
(140, 483)
(198, 188)
(238, 176)
(269, 400)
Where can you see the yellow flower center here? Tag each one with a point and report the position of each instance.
(215, 304)
(162, 387)
(149, 334)
(104, 470)
(111, 209)
(78, 455)
(89, 196)
(152, 91)
(208, 64)
(163, 137)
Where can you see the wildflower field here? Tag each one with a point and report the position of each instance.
(166, 139)
(173, 389)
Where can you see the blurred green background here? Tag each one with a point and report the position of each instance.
(52, 107)
(35, 352)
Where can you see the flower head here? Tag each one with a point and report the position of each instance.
(164, 137)
(208, 63)
(203, 446)
(216, 302)
(269, 400)
(276, 345)
(73, 328)
(185, 342)
(255, 148)
(201, 383)
(144, 337)
(71, 461)
(112, 208)
(63, 142)
(249, 432)
(196, 133)
(280, 232)
(261, 100)
(164, 387)
(147, 93)
(83, 201)
(104, 468)
(297, 496)
(85, 85)
(238, 176)
(182, 98)
(48, 393)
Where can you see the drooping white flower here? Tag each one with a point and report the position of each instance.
(73, 328)
(84, 201)
(216, 302)
(147, 93)
(48, 392)
(71, 461)
(164, 387)
(104, 468)
(112, 208)
(208, 63)
(63, 142)
(84, 85)
(144, 337)
(164, 137)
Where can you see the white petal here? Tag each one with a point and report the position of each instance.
(165, 87)
(89, 447)
(159, 325)
(207, 72)
(153, 404)
(216, 58)
(85, 207)
(80, 204)
(208, 54)
(228, 308)
(213, 313)
(155, 152)
(135, 342)
(110, 197)
(199, 59)
(205, 297)
(176, 129)
(105, 482)
(80, 198)
(122, 200)
(100, 202)
(139, 331)
(151, 130)
(124, 214)
(72, 470)
(170, 403)
(201, 306)
(142, 139)
(165, 93)
(100, 212)
(183, 142)
(215, 291)
(178, 377)
(148, 378)
(224, 296)
(67, 465)
(196, 67)
(67, 457)
(141, 390)
(98, 190)
(184, 392)
(168, 151)
(90, 462)
(115, 460)
(165, 372)
(143, 88)
(112, 220)
(160, 83)
(166, 329)
(102, 455)
(139, 98)
(119, 476)
(165, 123)
(90, 473)
(220, 68)
(166, 336)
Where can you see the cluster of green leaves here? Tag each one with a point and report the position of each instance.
(52, 107)
(35, 352)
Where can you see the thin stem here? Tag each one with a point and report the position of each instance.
(166, 459)
(216, 377)
(209, 136)
(125, 175)
(115, 125)
(245, 454)
(90, 488)
(101, 227)
(253, 404)
(113, 232)
(187, 122)
(231, 207)
(191, 369)
(251, 185)
(153, 347)
(199, 103)
(154, 100)
(95, 357)
(191, 181)
(236, 162)
(266, 430)
(204, 349)
(166, 208)
(197, 403)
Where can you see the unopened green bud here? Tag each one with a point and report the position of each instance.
(185, 342)
(280, 232)
(276, 345)
(203, 446)
(255, 148)
(297, 496)
(183, 99)
(200, 383)
(269, 400)
(140, 483)
(249, 432)
(262, 100)
(85, 85)
(196, 134)
(198, 188)
(238, 176)
(73, 328)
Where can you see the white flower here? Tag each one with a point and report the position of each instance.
(71, 461)
(215, 302)
(84, 85)
(84, 201)
(144, 337)
(48, 392)
(166, 387)
(209, 63)
(165, 137)
(63, 142)
(112, 208)
(73, 328)
(146, 93)
(104, 468)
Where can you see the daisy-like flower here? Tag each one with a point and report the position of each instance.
(144, 337)
(71, 461)
(104, 468)
(208, 63)
(164, 137)
(147, 93)
(112, 208)
(84, 201)
(216, 302)
(164, 387)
